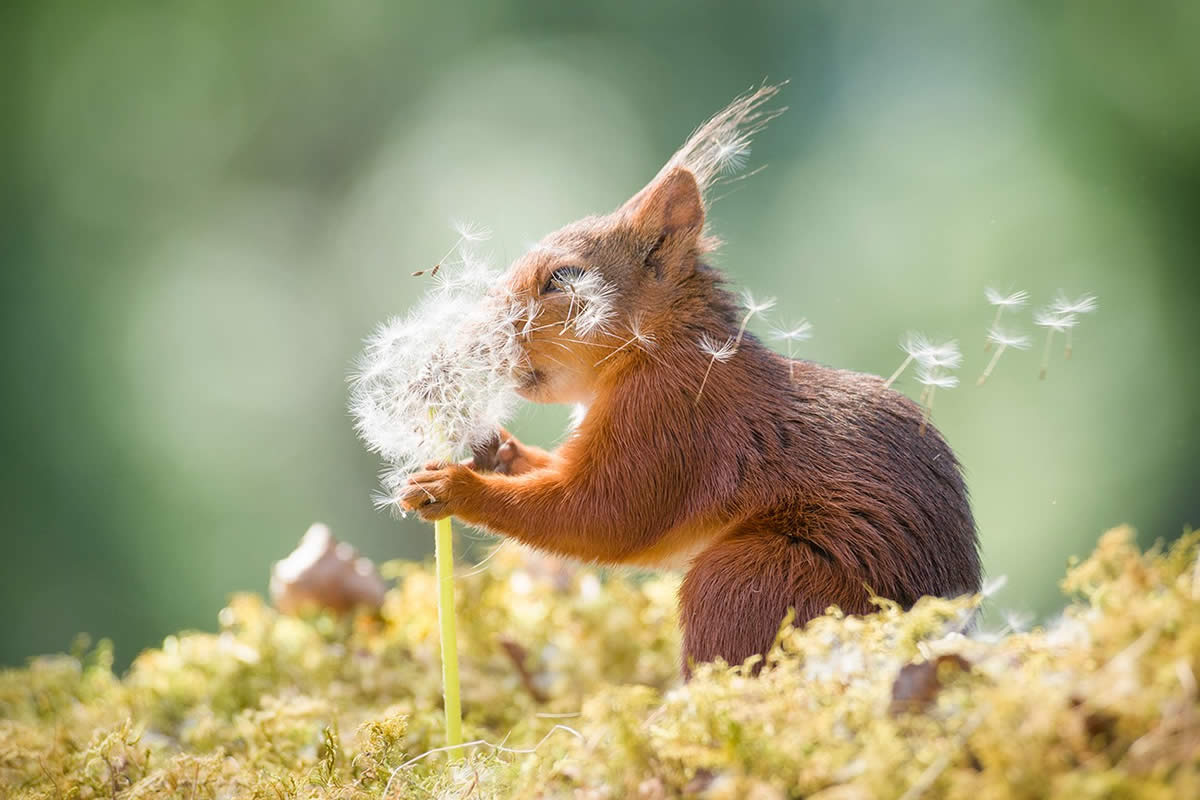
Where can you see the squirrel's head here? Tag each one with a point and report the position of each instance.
(595, 289)
(597, 295)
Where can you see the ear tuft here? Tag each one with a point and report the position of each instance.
(670, 207)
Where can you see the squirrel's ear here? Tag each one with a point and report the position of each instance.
(669, 213)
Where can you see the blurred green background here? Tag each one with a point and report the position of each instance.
(207, 206)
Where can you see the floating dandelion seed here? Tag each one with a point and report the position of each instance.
(730, 156)
(920, 349)
(1003, 302)
(1053, 323)
(467, 232)
(1002, 340)
(933, 378)
(717, 352)
(1064, 306)
(800, 332)
(726, 351)
(637, 336)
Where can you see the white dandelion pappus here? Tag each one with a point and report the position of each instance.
(937, 380)
(726, 351)
(755, 307)
(644, 339)
(918, 348)
(1003, 302)
(1063, 305)
(592, 303)
(933, 378)
(1013, 300)
(1003, 340)
(1084, 304)
(717, 352)
(800, 332)
(1054, 323)
(432, 385)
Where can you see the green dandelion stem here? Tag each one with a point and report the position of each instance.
(444, 550)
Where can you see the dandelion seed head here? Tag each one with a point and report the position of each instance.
(1065, 306)
(800, 332)
(1011, 300)
(718, 351)
(433, 384)
(1051, 319)
(1003, 338)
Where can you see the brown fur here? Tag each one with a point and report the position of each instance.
(782, 486)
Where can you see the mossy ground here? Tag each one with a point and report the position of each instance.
(572, 683)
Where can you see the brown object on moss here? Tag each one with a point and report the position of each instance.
(325, 574)
(917, 685)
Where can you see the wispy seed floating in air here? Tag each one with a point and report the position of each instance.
(727, 350)
(1002, 340)
(800, 332)
(933, 378)
(1003, 302)
(920, 349)
(467, 232)
(1053, 323)
(1064, 306)
(722, 352)
(638, 336)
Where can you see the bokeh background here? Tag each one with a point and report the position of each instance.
(206, 207)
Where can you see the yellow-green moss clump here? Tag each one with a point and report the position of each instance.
(571, 684)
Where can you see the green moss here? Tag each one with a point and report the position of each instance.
(583, 672)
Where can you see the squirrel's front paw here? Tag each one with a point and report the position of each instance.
(438, 491)
(503, 454)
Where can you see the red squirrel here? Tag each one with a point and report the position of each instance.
(779, 485)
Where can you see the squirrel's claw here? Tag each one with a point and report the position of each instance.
(434, 492)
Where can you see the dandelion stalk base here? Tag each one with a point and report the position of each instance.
(444, 554)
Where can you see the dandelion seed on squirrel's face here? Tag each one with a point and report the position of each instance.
(567, 319)
(639, 337)
(1003, 340)
(1065, 306)
(1054, 323)
(434, 384)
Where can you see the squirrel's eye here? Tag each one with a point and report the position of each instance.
(561, 278)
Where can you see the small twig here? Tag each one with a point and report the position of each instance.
(387, 790)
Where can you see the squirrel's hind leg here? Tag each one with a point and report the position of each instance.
(738, 591)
